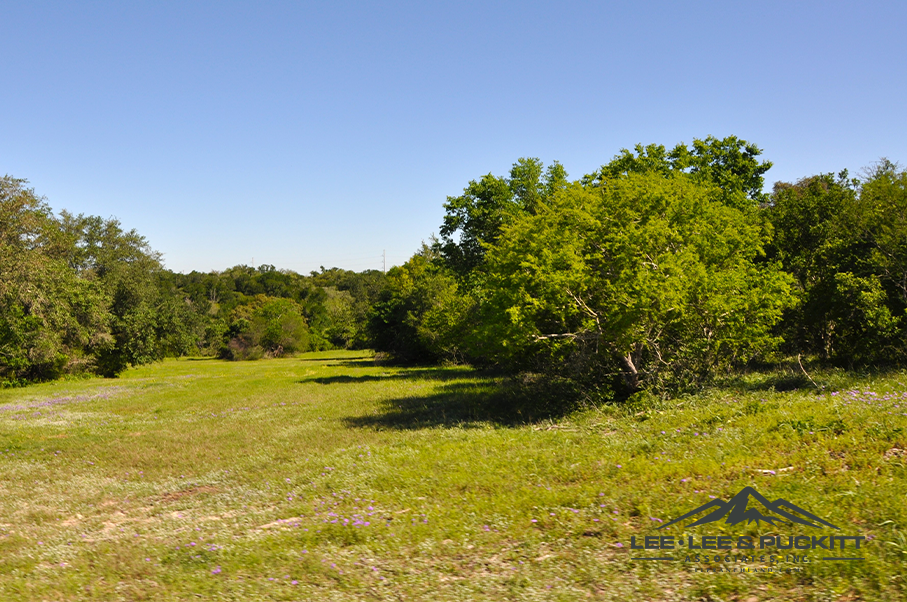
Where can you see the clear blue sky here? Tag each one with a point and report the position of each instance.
(306, 134)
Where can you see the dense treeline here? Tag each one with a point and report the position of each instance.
(249, 312)
(844, 241)
(659, 271)
(79, 294)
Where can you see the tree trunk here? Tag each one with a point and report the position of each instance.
(631, 375)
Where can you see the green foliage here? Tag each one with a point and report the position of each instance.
(268, 326)
(647, 274)
(146, 321)
(421, 313)
(846, 246)
(78, 293)
(335, 303)
(662, 286)
(347, 302)
(50, 319)
(650, 276)
(476, 217)
(730, 163)
(883, 225)
(529, 206)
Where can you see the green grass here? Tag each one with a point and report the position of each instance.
(206, 479)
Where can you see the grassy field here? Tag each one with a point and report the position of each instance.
(327, 477)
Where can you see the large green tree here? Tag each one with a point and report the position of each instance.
(51, 321)
(422, 312)
(651, 276)
(845, 243)
(883, 224)
(147, 321)
(268, 326)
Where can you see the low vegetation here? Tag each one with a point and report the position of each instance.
(328, 477)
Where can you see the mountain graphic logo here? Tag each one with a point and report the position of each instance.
(740, 509)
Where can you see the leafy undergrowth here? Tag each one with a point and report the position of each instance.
(326, 477)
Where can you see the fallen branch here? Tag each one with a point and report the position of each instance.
(807, 375)
(565, 335)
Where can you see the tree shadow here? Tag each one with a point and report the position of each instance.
(465, 405)
(355, 363)
(774, 382)
(355, 359)
(439, 374)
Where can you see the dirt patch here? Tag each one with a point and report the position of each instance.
(178, 495)
(895, 452)
(284, 522)
(72, 521)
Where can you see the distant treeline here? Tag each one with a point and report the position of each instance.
(81, 295)
(248, 313)
(661, 270)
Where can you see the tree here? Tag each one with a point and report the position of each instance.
(813, 245)
(730, 163)
(845, 243)
(422, 312)
(646, 275)
(883, 224)
(50, 320)
(476, 217)
(268, 326)
(346, 304)
(146, 321)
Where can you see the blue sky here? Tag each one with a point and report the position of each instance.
(303, 134)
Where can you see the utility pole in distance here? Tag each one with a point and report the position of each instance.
(384, 260)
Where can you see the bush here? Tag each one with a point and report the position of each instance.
(653, 278)
(268, 327)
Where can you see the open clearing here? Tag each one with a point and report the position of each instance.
(327, 477)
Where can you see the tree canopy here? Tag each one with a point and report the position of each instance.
(730, 163)
(647, 275)
(661, 269)
(81, 294)
(845, 242)
(476, 217)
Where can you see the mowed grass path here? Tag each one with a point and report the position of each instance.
(326, 477)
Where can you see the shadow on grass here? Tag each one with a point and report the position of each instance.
(467, 405)
(812, 378)
(439, 374)
(773, 382)
(355, 359)
(357, 363)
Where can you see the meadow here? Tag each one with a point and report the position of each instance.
(328, 476)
